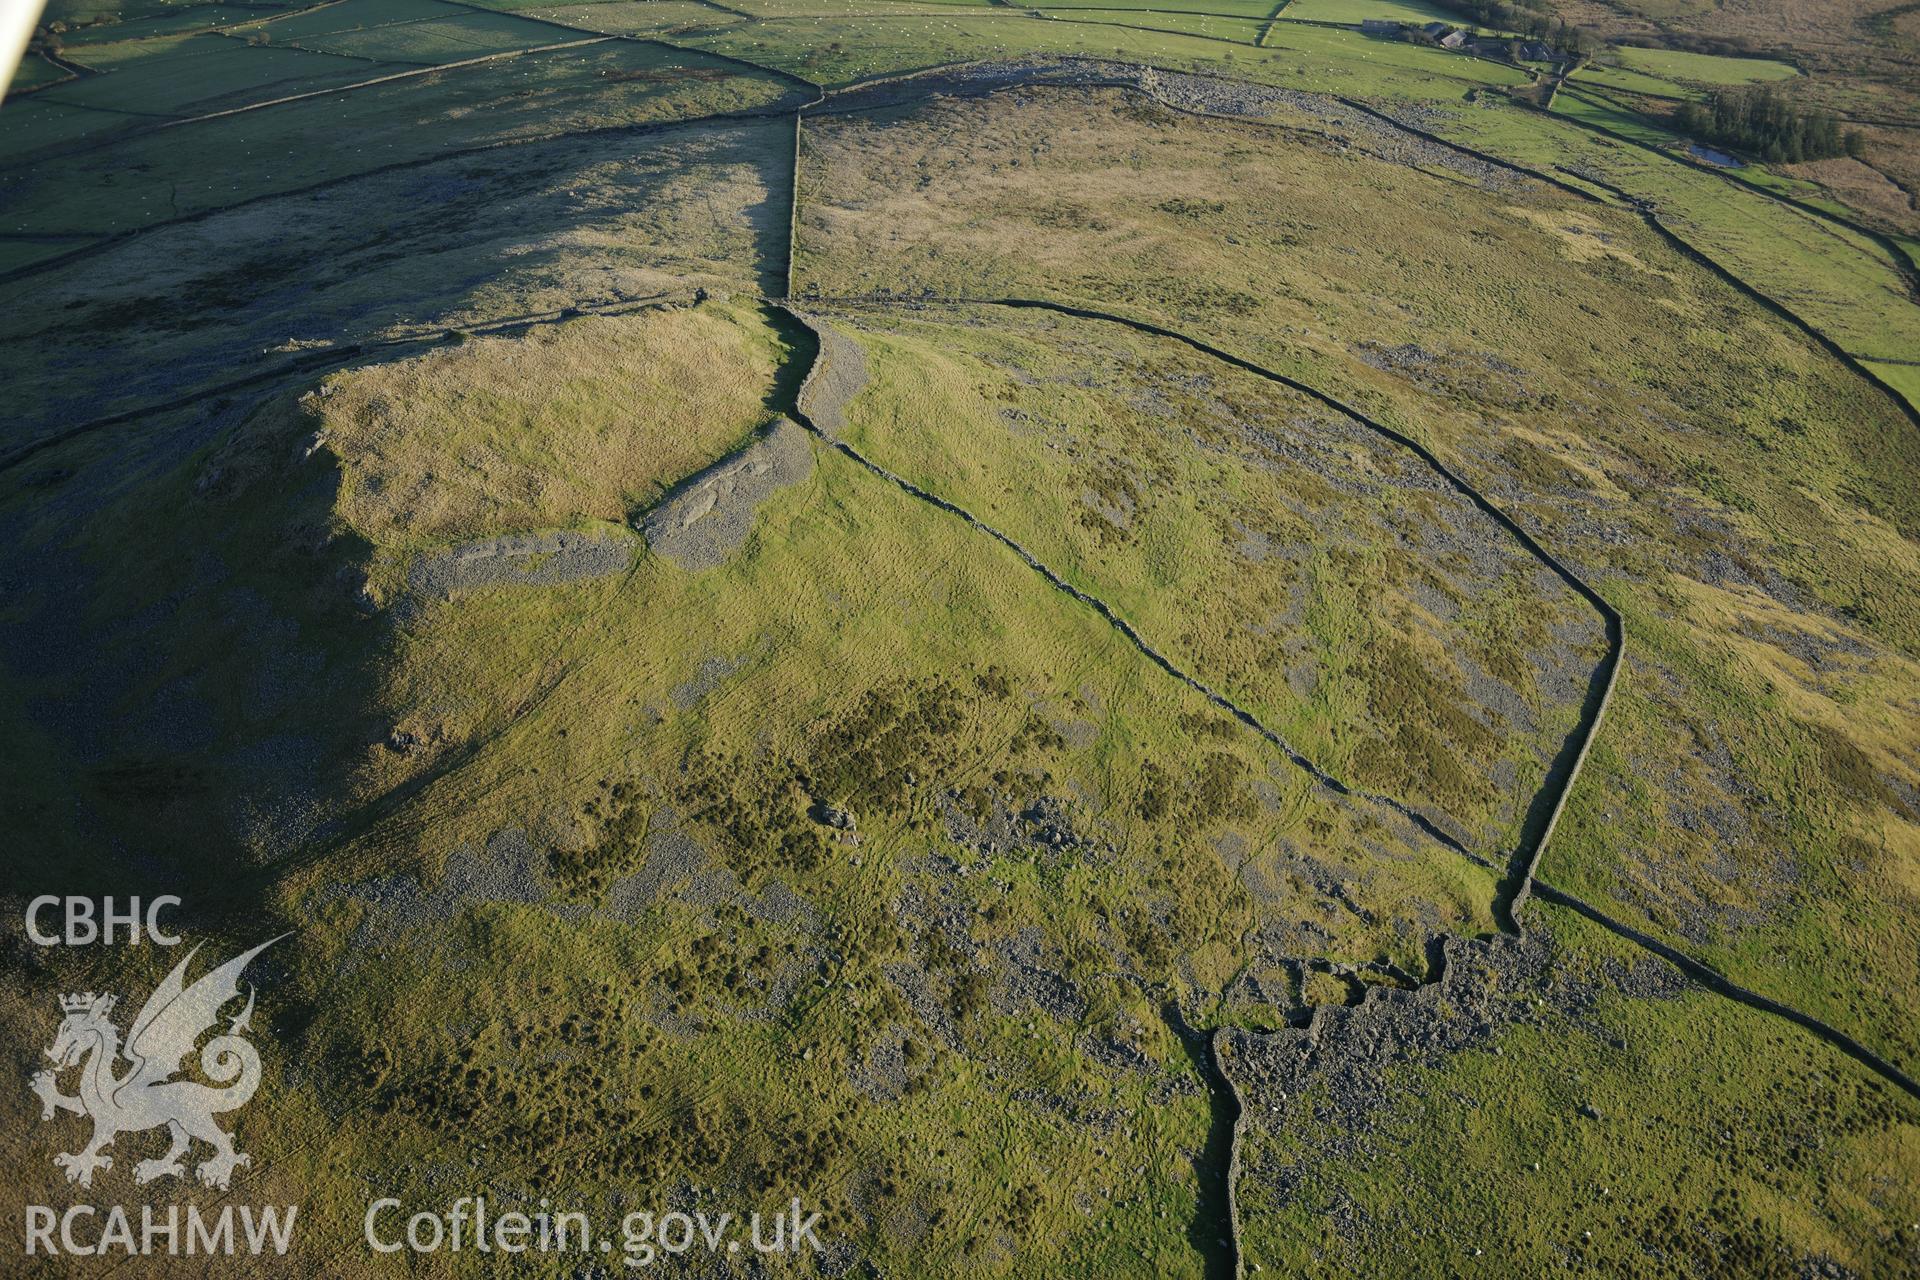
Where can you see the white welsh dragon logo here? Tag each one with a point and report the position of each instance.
(167, 1029)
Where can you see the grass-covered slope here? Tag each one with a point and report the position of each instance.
(406, 540)
(1513, 328)
(596, 890)
(1313, 572)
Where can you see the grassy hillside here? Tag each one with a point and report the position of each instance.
(1055, 797)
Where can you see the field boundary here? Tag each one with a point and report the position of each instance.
(1247, 718)
(1518, 880)
(1260, 41)
(1687, 249)
(173, 121)
(1219, 1061)
(1521, 879)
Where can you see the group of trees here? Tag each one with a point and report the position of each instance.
(1531, 18)
(49, 40)
(1761, 122)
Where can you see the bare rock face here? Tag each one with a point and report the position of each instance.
(706, 519)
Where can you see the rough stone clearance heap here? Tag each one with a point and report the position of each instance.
(838, 375)
(527, 559)
(705, 521)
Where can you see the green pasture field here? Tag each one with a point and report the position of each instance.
(193, 75)
(1628, 80)
(1239, 30)
(1298, 56)
(143, 81)
(1258, 9)
(1704, 68)
(544, 6)
(32, 73)
(1354, 12)
(112, 54)
(33, 123)
(356, 15)
(630, 17)
(469, 35)
(83, 16)
(1812, 194)
(1903, 376)
(830, 9)
(1837, 280)
(172, 22)
(134, 183)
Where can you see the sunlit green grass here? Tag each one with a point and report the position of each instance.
(1136, 489)
(1354, 12)
(1737, 492)
(1705, 68)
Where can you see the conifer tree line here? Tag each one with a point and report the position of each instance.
(1762, 123)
